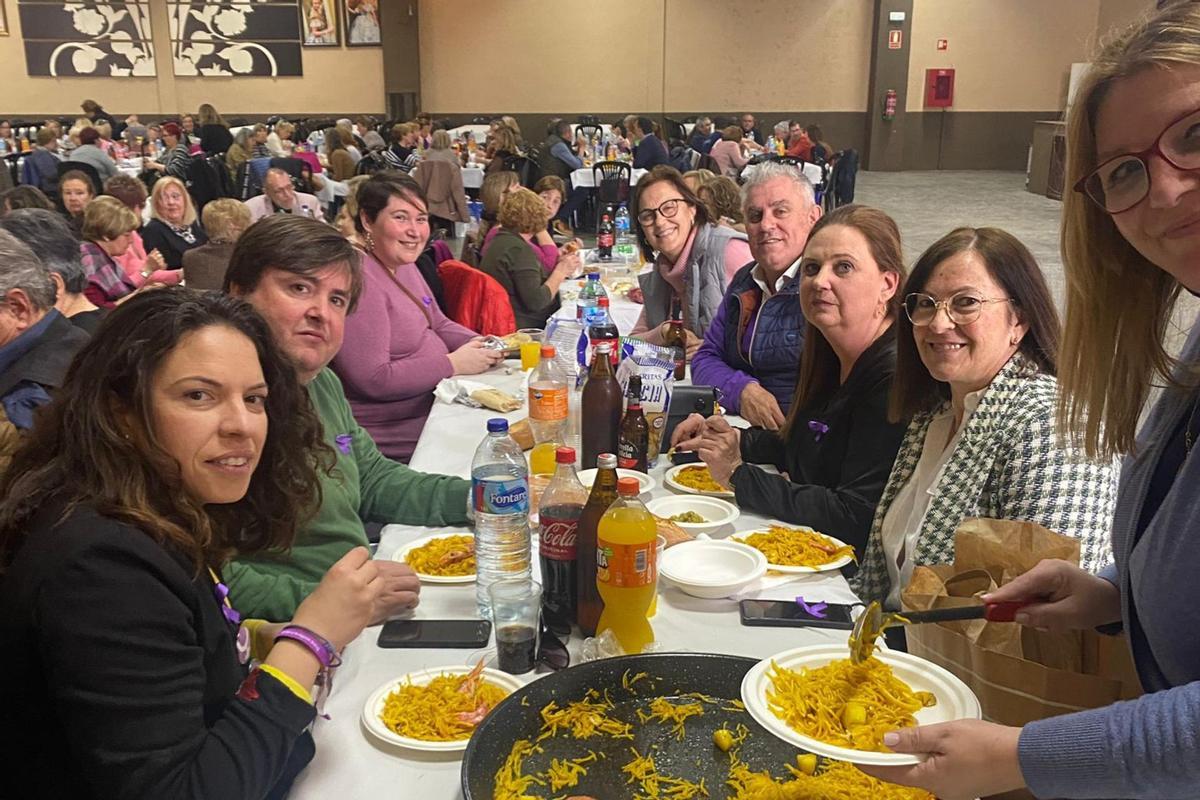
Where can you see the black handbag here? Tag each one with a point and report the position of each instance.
(687, 400)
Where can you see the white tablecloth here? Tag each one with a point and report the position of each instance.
(472, 177)
(585, 177)
(350, 764)
(479, 132)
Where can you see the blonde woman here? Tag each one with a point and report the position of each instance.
(495, 187)
(511, 261)
(1129, 247)
(173, 228)
(279, 141)
(214, 131)
(108, 229)
(224, 220)
(344, 221)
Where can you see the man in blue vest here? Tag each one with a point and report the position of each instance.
(751, 350)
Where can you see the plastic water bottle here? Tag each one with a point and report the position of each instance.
(622, 224)
(500, 492)
(586, 300)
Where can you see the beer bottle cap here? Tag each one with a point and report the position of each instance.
(564, 455)
(606, 461)
(628, 486)
(548, 351)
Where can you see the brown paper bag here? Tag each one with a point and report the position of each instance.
(1019, 674)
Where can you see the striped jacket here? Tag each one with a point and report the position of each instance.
(1006, 465)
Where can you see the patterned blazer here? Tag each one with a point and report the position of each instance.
(1007, 465)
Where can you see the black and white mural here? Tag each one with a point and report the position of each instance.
(236, 37)
(87, 38)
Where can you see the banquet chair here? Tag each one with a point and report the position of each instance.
(612, 180)
(588, 130)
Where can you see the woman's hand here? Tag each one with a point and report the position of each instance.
(1070, 598)
(720, 448)
(343, 602)
(759, 407)
(568, 265)
(473, 358)
(154, 261)
(966, 759)
(400, 590)
(687, 433)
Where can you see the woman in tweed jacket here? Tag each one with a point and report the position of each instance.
(975, 372)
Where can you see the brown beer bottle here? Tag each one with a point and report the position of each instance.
(600, 407)
(603, 494)
(677, 341)
(633, 439)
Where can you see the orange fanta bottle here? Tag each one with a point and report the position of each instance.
(626, 573)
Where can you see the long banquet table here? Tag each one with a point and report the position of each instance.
(350, 763)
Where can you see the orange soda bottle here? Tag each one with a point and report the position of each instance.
(626, 573)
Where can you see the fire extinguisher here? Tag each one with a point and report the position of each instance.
(889, 105)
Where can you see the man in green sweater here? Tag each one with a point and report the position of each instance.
(304, 278)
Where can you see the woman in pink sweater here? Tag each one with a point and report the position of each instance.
(140, 266)
(728, 152)
(398, 343)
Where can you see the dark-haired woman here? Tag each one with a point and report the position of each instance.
(399, 344)
(837, 444)
(975, 370)
(180, 437)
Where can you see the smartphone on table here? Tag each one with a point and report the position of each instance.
(790, 614)
(436, 633)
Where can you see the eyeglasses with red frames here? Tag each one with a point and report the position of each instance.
(1123, 181)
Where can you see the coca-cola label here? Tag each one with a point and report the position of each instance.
(510, 496)
(605, 239)
(557, 538)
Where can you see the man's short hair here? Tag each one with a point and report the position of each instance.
(20, 268)
(49, 236)
(295, 244)
(769, 171)
(645, 125)
(45, 136)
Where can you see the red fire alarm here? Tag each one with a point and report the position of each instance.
(939, 88)
(943, 44)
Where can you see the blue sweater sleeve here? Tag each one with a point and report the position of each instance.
(1144, 748)
(564, 154)
(709, 367)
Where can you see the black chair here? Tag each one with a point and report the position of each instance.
(87, 169)
(588, 130)
(525, 167)
(588, 119)
(676, 133)
(482, 120)
(612, 180)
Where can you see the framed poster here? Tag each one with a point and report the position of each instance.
(74, 39)
(321, 21)
(235, 37)
(362, 23)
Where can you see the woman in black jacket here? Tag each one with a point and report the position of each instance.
(126, 668)
(215, 136)
(837, 447)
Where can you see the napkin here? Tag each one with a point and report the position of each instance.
(476, 395)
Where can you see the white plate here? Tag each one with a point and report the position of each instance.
(712, 568)
(837, 563)
(717, 512)
(374, 706)
(669, 480)
(645, 482)
(954, 699)
(401, 554)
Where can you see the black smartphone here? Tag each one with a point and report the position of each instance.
(436, 633)
(790, 614)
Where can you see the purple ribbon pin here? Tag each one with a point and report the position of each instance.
(342, 440)
(817, 427)
(427, 300)
(814, 610)
(231, 614)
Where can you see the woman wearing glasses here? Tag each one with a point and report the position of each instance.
(694, 257)
(975, 367)
(1130, 245)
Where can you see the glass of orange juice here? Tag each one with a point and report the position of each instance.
(531, 351)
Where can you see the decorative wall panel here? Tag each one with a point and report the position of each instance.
(87, 38)
(236, 37)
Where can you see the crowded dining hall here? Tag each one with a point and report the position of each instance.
(377, 421)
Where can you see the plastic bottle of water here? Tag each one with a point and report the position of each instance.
(622, 224)
(500, 492)
(588, 295)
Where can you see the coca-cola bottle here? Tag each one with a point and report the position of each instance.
(603, 495)
(606, 235)
(562, 506)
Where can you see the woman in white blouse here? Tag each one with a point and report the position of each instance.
(975, 371)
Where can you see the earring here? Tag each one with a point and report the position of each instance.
(370, 240)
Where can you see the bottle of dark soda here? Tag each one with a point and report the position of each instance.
(558, 518)
(602, 328)
(676, 339)
(606, 235)
(633, 437)
(603, 494)
(600, 406)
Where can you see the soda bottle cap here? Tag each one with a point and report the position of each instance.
(628, 486)
(604, 347)
(564, 455)
(602, 302)
(593, 276)
(606, 461)
(497, 425)
(548, 351)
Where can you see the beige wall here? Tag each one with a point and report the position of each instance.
(336, 79)
(1119, 13)
(1013, 55)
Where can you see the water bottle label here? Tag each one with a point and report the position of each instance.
(625, 566)
(510, 496)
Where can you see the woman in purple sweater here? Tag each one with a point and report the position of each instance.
(399, 344)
